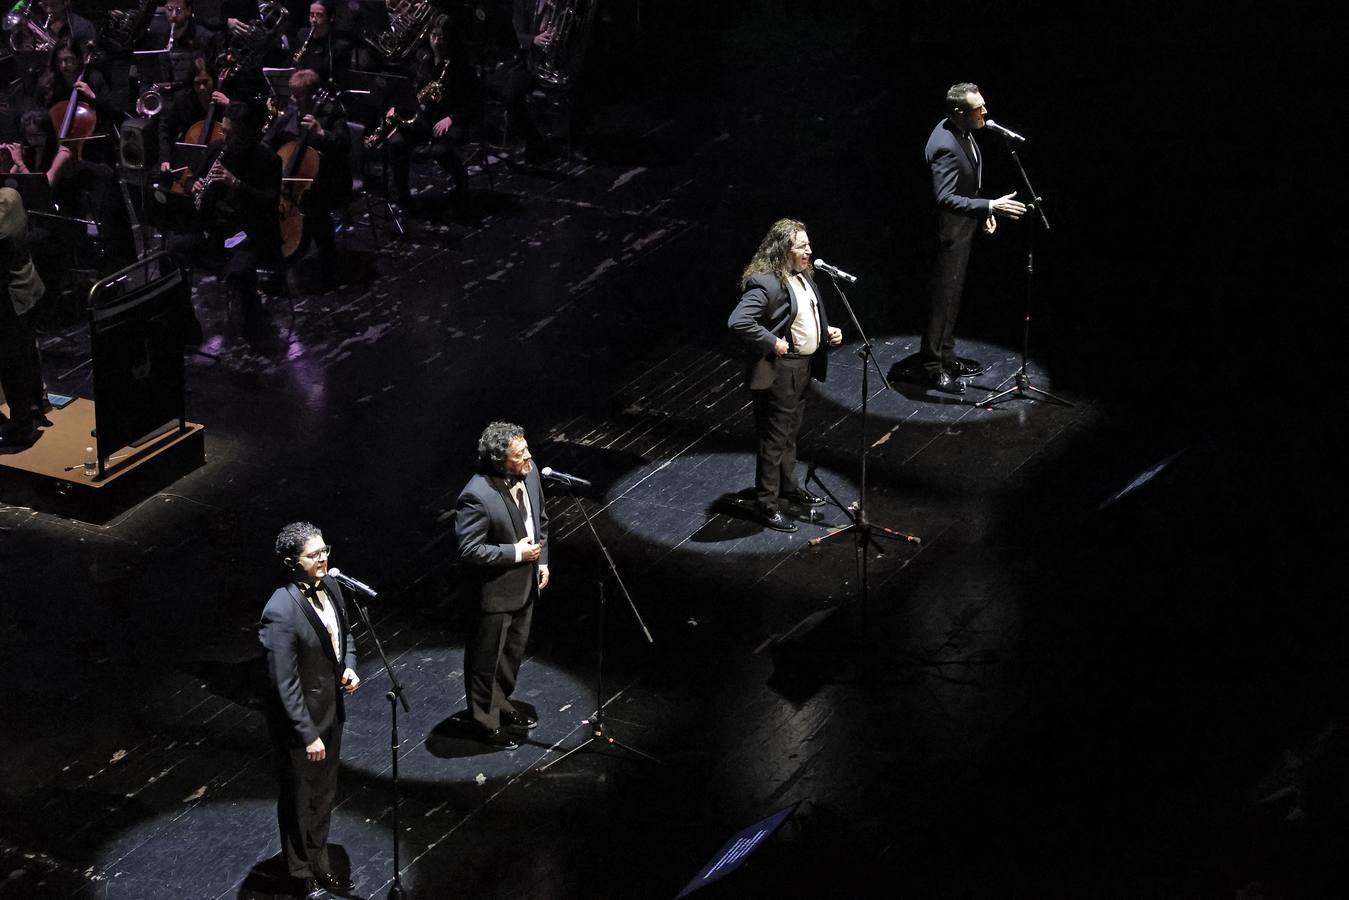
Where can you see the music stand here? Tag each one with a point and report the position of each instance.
(35, 190)
(152, 66)
(278, 81)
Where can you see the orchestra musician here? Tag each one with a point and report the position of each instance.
(320, 49)
(241, 191)
(438, 82)
(190, 38)
(189, 107)
(64, 22)
(323, 124)
(38, 151)
(86, 184)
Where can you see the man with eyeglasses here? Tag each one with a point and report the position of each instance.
(311, 663)
(502, 530)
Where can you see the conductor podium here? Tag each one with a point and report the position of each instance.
(136, 422)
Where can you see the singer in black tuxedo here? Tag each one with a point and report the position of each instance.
(782, 321)
(501, 526)
(311, 664)
(957, 169)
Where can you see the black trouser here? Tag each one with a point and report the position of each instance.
(400, 146)
(778, 410)
(938, 347)
(20, 365)
(304, 806)
(492, 657)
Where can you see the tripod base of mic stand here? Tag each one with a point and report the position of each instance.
(598, 735)
(1023, 390)
(881, 530)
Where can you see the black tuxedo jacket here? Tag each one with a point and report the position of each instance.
(956, 178)
(305, 673)
(764, 314)
(487, 523)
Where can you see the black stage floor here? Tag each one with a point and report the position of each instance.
(1110, 667)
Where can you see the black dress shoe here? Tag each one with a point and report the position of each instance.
(495, 737)
(967, 368)
(803, 498)
(14, 435)
(518, 720)
(946, 384)
(778, 522)
(308, 889)
(336, 884)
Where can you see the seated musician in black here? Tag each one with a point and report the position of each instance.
(243, 20)
(86, 186)
(38, 149)
(62, 22)
(319, 48)
(440, 84)
(241, 193)
(312, 113)
(190, 39)
(189, 107)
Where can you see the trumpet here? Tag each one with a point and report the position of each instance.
(151, 100)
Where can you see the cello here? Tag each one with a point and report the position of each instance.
(74, 118)
(299, 167)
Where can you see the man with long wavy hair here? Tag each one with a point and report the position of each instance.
(781, 318)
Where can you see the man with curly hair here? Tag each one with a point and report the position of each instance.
(781, 318)
(502, 530)
(311, 664)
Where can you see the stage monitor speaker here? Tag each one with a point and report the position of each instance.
(140, 147)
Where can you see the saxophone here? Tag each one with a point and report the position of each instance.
(431, 92)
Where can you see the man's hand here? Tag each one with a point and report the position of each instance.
(835, 336)
(84, 89)
(442, 126)
(1006, 206)
(543, 577)
(529, 551)
(312, 123)
(217, 97)
(350, 681)
(316, 751)
(780, 347)
(991, 224)
(238, 27)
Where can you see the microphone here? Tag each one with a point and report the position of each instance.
(348, 582)
(563, 477)
(834, 271)
(1005, 132)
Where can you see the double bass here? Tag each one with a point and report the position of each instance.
(299, 167)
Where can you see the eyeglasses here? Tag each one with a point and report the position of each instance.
(317, 554)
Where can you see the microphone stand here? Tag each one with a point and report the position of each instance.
(1023, 389)
(395, 695)
(596, 722)
(862, 528)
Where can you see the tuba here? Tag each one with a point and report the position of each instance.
(124, 27)
(561, 30)
(25, 31)
(409, 22)
(244, 53)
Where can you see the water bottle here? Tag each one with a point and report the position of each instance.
(90, 462)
